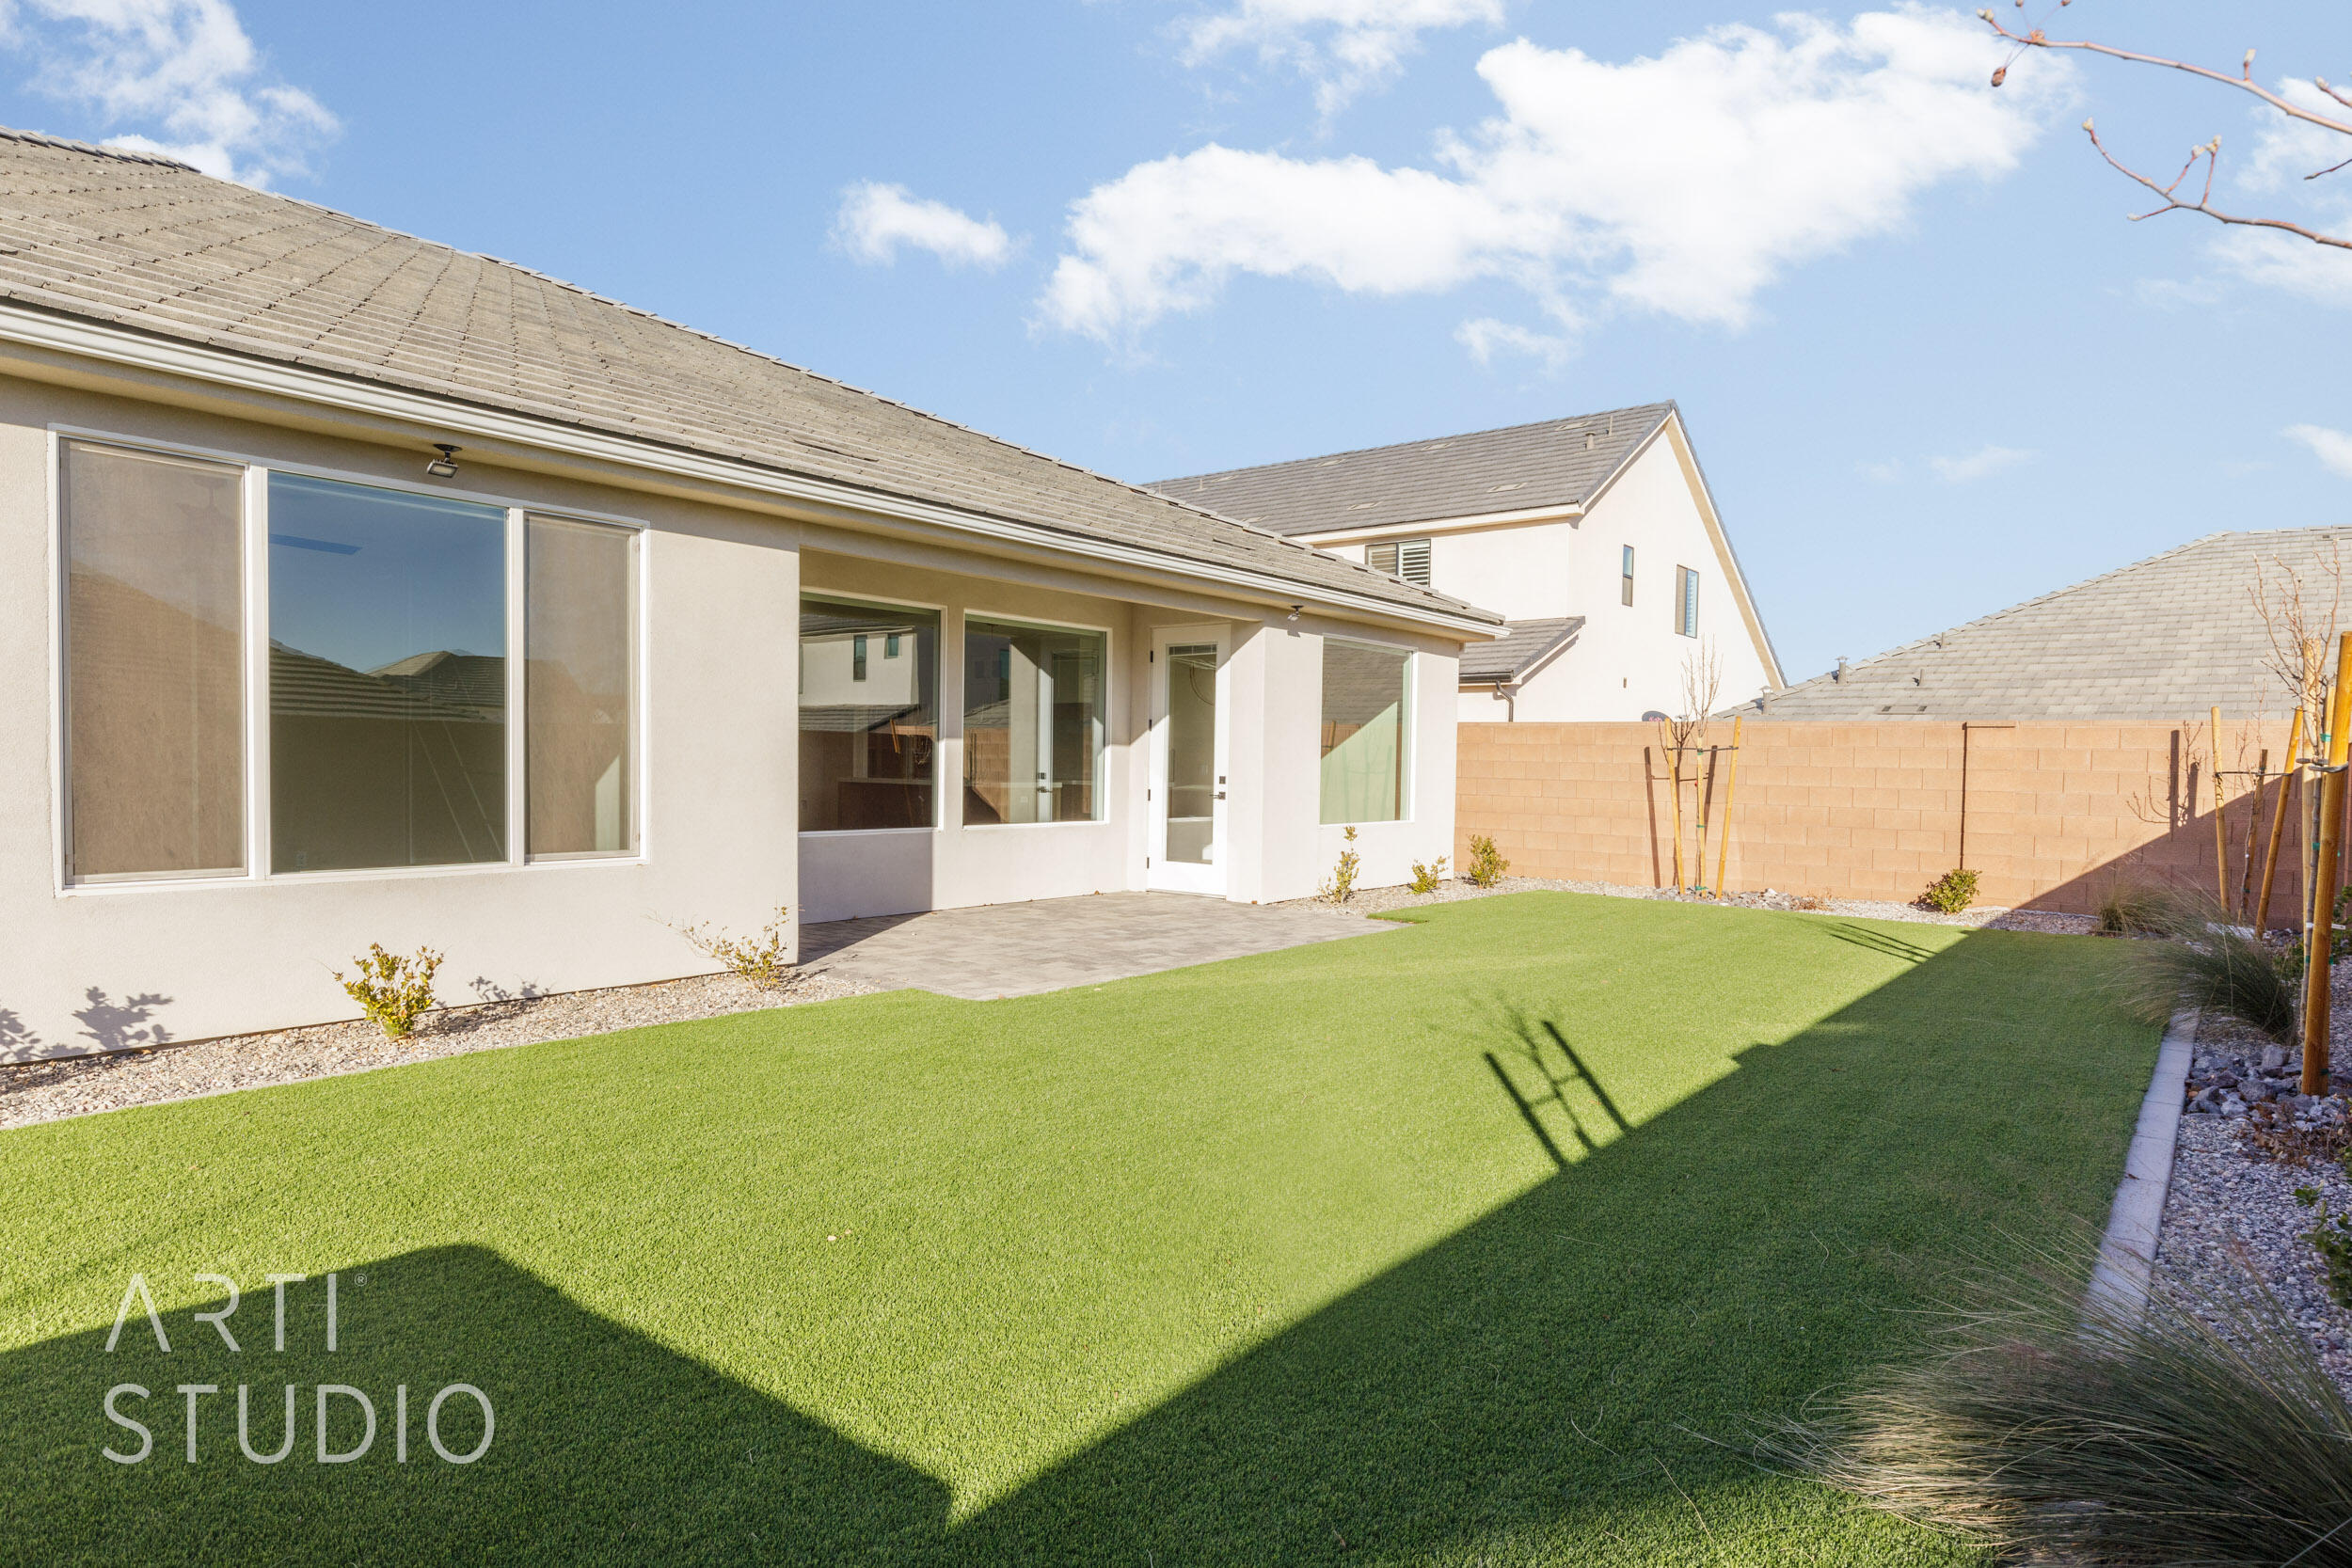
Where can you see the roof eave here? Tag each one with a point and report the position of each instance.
(137, 349)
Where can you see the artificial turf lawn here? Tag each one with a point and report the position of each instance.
(1454, 1243)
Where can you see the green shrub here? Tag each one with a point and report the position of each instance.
(758, 959)
(2051, 1427)
(1427, 877)
(2331, 1236)
(393, 991)
(1486, 864)
(2214, 966)
(1951, 893)
(1340, 886)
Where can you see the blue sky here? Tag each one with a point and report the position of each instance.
(1929, 368)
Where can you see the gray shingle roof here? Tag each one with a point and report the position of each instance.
(147, 243)
(1529, 643)
(2163, 639)
(1555, 462)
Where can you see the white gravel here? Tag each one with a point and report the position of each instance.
(2231, 1224)
(77, 1085)
(1988, 917)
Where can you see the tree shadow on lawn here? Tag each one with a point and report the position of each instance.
(1544, 1383)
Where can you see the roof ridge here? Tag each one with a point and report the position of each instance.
(1662, 408)
(124, 154)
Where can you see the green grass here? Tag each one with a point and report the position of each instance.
(1459, 1244)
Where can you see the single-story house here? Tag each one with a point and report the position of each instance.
(2167, 640)
(358, 588)
(1595, 536)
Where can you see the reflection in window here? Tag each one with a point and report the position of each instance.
(388, 677)
(154, 690)
(1367, 708)
(580, 631)
(1192, 752)
(1032, 723)
(869, 729)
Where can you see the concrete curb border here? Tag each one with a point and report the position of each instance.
(2127, 1252)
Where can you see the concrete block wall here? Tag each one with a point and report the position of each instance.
(2054, 812)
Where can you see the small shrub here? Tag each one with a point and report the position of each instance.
(1427, 877)
(2212, 965)
(393, 991)
(1951, 893)
(2133, 908)
(1340, 886)
(1486, 864)
(1812, 901)
(2331, 1235)
(758, 959)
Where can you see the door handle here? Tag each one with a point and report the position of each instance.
(1221, 795)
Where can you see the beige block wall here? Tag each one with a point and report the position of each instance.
(2054, 812)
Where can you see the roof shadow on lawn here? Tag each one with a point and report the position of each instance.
(1544, 1378)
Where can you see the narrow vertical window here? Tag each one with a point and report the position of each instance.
(869, 747)
(1367, 715)
(1686, 601)
(1033, 712)
(153, 649)
(580, 680)
(387, 678)
(1624, 591)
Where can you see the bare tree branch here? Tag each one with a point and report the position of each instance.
(2210, 152)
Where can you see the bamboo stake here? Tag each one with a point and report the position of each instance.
(1673, 774)
(2253, 835)
(1731, 781)
(2279, 819)
(2220, 834)
(2318, 951)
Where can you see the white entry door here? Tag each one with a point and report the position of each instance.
(1188, 722)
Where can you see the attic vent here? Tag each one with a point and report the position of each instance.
(1589, 439)
(1402, 558)
(1440, 446)
(1361, 506)
(1326, 463)
(1515, 485)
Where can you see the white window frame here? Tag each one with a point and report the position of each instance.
(1686, 601)
(1103, 754)
(939, 746)
(258, 781)
(1408, 749)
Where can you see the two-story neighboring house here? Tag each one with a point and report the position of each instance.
(1594, 537)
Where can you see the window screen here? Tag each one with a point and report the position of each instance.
(155, 681)
(1367, 705)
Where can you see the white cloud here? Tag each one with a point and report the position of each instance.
(1486, 337)
(876, 219)
(183, 68)
(1343, 46)
(1682, 183)
(1983, 462)
(1887, 472)
(2272, 181)
(2333, 448)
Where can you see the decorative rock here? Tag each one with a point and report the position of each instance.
(2274, 1057)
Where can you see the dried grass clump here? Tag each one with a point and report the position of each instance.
(2134, 908)
(2203, 1431)
(2209, 964)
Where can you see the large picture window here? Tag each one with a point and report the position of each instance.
(580, 617)
(154, 654)
(388, 677)
(1032, 723)
(1367, 715)
(869, 716)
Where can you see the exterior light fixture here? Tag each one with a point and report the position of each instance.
(445, 466)
(1295, 610)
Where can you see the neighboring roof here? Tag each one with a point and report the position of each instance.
(2167, 638)
(1529, 643)
(1554, 463)
(147, 243)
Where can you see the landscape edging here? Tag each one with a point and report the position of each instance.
(2127, 1252)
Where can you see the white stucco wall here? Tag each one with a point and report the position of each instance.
(95, 966)
(228, 955)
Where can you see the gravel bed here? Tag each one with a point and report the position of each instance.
(1375, 900)
(77, 1085)
(2231, 1225)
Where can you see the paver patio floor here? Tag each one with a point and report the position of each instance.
(1022, 949)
